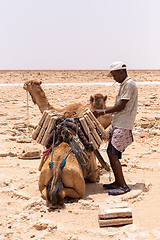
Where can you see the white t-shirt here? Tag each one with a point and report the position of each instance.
(126, 117)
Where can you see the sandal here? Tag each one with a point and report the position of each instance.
(119, 191)
(113, 185)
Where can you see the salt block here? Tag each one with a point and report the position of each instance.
(115, 222)
(114, 216)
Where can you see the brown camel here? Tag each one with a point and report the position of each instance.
(56, 183)
(38, 97)
(98, 102)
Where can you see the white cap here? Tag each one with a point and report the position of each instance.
(116, 66)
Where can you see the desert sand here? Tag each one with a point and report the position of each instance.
(24, 214)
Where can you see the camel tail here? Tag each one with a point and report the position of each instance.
(54, 187)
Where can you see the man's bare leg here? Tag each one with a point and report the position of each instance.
(117, 170)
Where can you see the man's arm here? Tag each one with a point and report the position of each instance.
(116, 108)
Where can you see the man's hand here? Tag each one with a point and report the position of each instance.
(120, 105)
(98, 112)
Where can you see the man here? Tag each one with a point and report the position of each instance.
(123, 117)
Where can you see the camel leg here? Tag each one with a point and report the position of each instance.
(44, 193)
(74, 184)
(44, 177)
(70, 192)
(66, 192)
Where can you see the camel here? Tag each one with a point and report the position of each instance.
(38, 97)
(98, 102)
(55, 183)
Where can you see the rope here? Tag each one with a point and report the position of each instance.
(51, 162)
(27, 110)
(89, 174)
(78, 152)
(64, 160)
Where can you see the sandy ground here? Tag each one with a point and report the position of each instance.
(24, 214)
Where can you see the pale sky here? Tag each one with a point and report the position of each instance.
(79, 34)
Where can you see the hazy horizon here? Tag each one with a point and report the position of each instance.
(79, 34)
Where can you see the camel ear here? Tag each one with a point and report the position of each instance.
(91, 99)
(40, 82)
(105, 98)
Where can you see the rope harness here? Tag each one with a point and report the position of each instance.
(71, 137)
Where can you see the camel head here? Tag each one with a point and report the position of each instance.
(97, 101)
(28, 84)
(37, 94)
(34, 88)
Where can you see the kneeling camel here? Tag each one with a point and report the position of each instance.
(63, 175)
(55, 183)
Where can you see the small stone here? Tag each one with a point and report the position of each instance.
(32, 171)
(24, 140)
(3, 154)
(3, 123)
(12, 154)
(30, 153)
(43, 224)
(32, 236)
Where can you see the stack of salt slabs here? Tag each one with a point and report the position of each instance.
(93, 129)
(45, 126)
(116, 214)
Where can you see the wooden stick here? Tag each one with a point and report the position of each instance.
(41, 163)
(101, 160)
